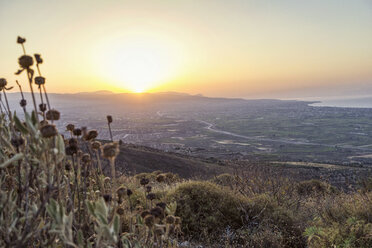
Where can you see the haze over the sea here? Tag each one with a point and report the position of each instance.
(345, 102)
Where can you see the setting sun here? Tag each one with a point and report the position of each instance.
(137, 65)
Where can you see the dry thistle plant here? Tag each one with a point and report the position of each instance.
(53, 190)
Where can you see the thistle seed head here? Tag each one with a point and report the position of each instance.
(42, 107)
(68, 166)
(121, 191)
(145, 213)
(20, 40)
(96, 145)
(149, 221)
(162, 205)
(71, 150)
(53, 115)
(25, 61)
(110, 150)
(160, 178)
(144, 181)
(109, 119)
(70, 127)
(92, 134)
(77, 132)
(72, 142)
(151, 196)
(39, 80)
(17, 141)
(107, 198)
(120, 211)
(148, 188)
(48, 130)
(23, 103)
(158, 212)
(3, 83)
(170, 219)
(85, 158)
(106, 180)
(38, 58)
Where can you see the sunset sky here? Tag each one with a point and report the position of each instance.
(235, 48)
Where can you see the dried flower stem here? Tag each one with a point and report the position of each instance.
(23, 97)
(109, 126)
(23, 48)
(42, 101)
(7, 105)
(46, 95)
(29, 76)
(3, 106)
(46, 98)
(20, 191)
(99, 162)
(113, 175)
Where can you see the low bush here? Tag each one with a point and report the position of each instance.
(314, 187)
(208, 209)
(205, 207)
(344, 222)
(225, 180)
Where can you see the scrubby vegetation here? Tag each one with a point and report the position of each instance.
(55, 192)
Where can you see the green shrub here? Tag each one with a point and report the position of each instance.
(351, 233)
(158, 176)
(263, 216)
(344, 222)
(366, 185)
(224, 180)
(205, 207)
(314, 187)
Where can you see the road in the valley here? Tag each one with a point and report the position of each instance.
(211, 127)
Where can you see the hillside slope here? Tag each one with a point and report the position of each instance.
(137, 159)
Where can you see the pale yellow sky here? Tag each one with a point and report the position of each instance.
(239, 48)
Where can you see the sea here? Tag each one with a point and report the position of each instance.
(343, 102)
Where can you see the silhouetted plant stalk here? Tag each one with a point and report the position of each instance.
(40, 81)
(26, 62)
(3, 88)
(23, 101)
(110, 151)
(2, 105)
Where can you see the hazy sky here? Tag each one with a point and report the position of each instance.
(245, 48)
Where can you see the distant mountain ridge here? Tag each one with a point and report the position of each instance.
(167, 94)
(103, 103)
